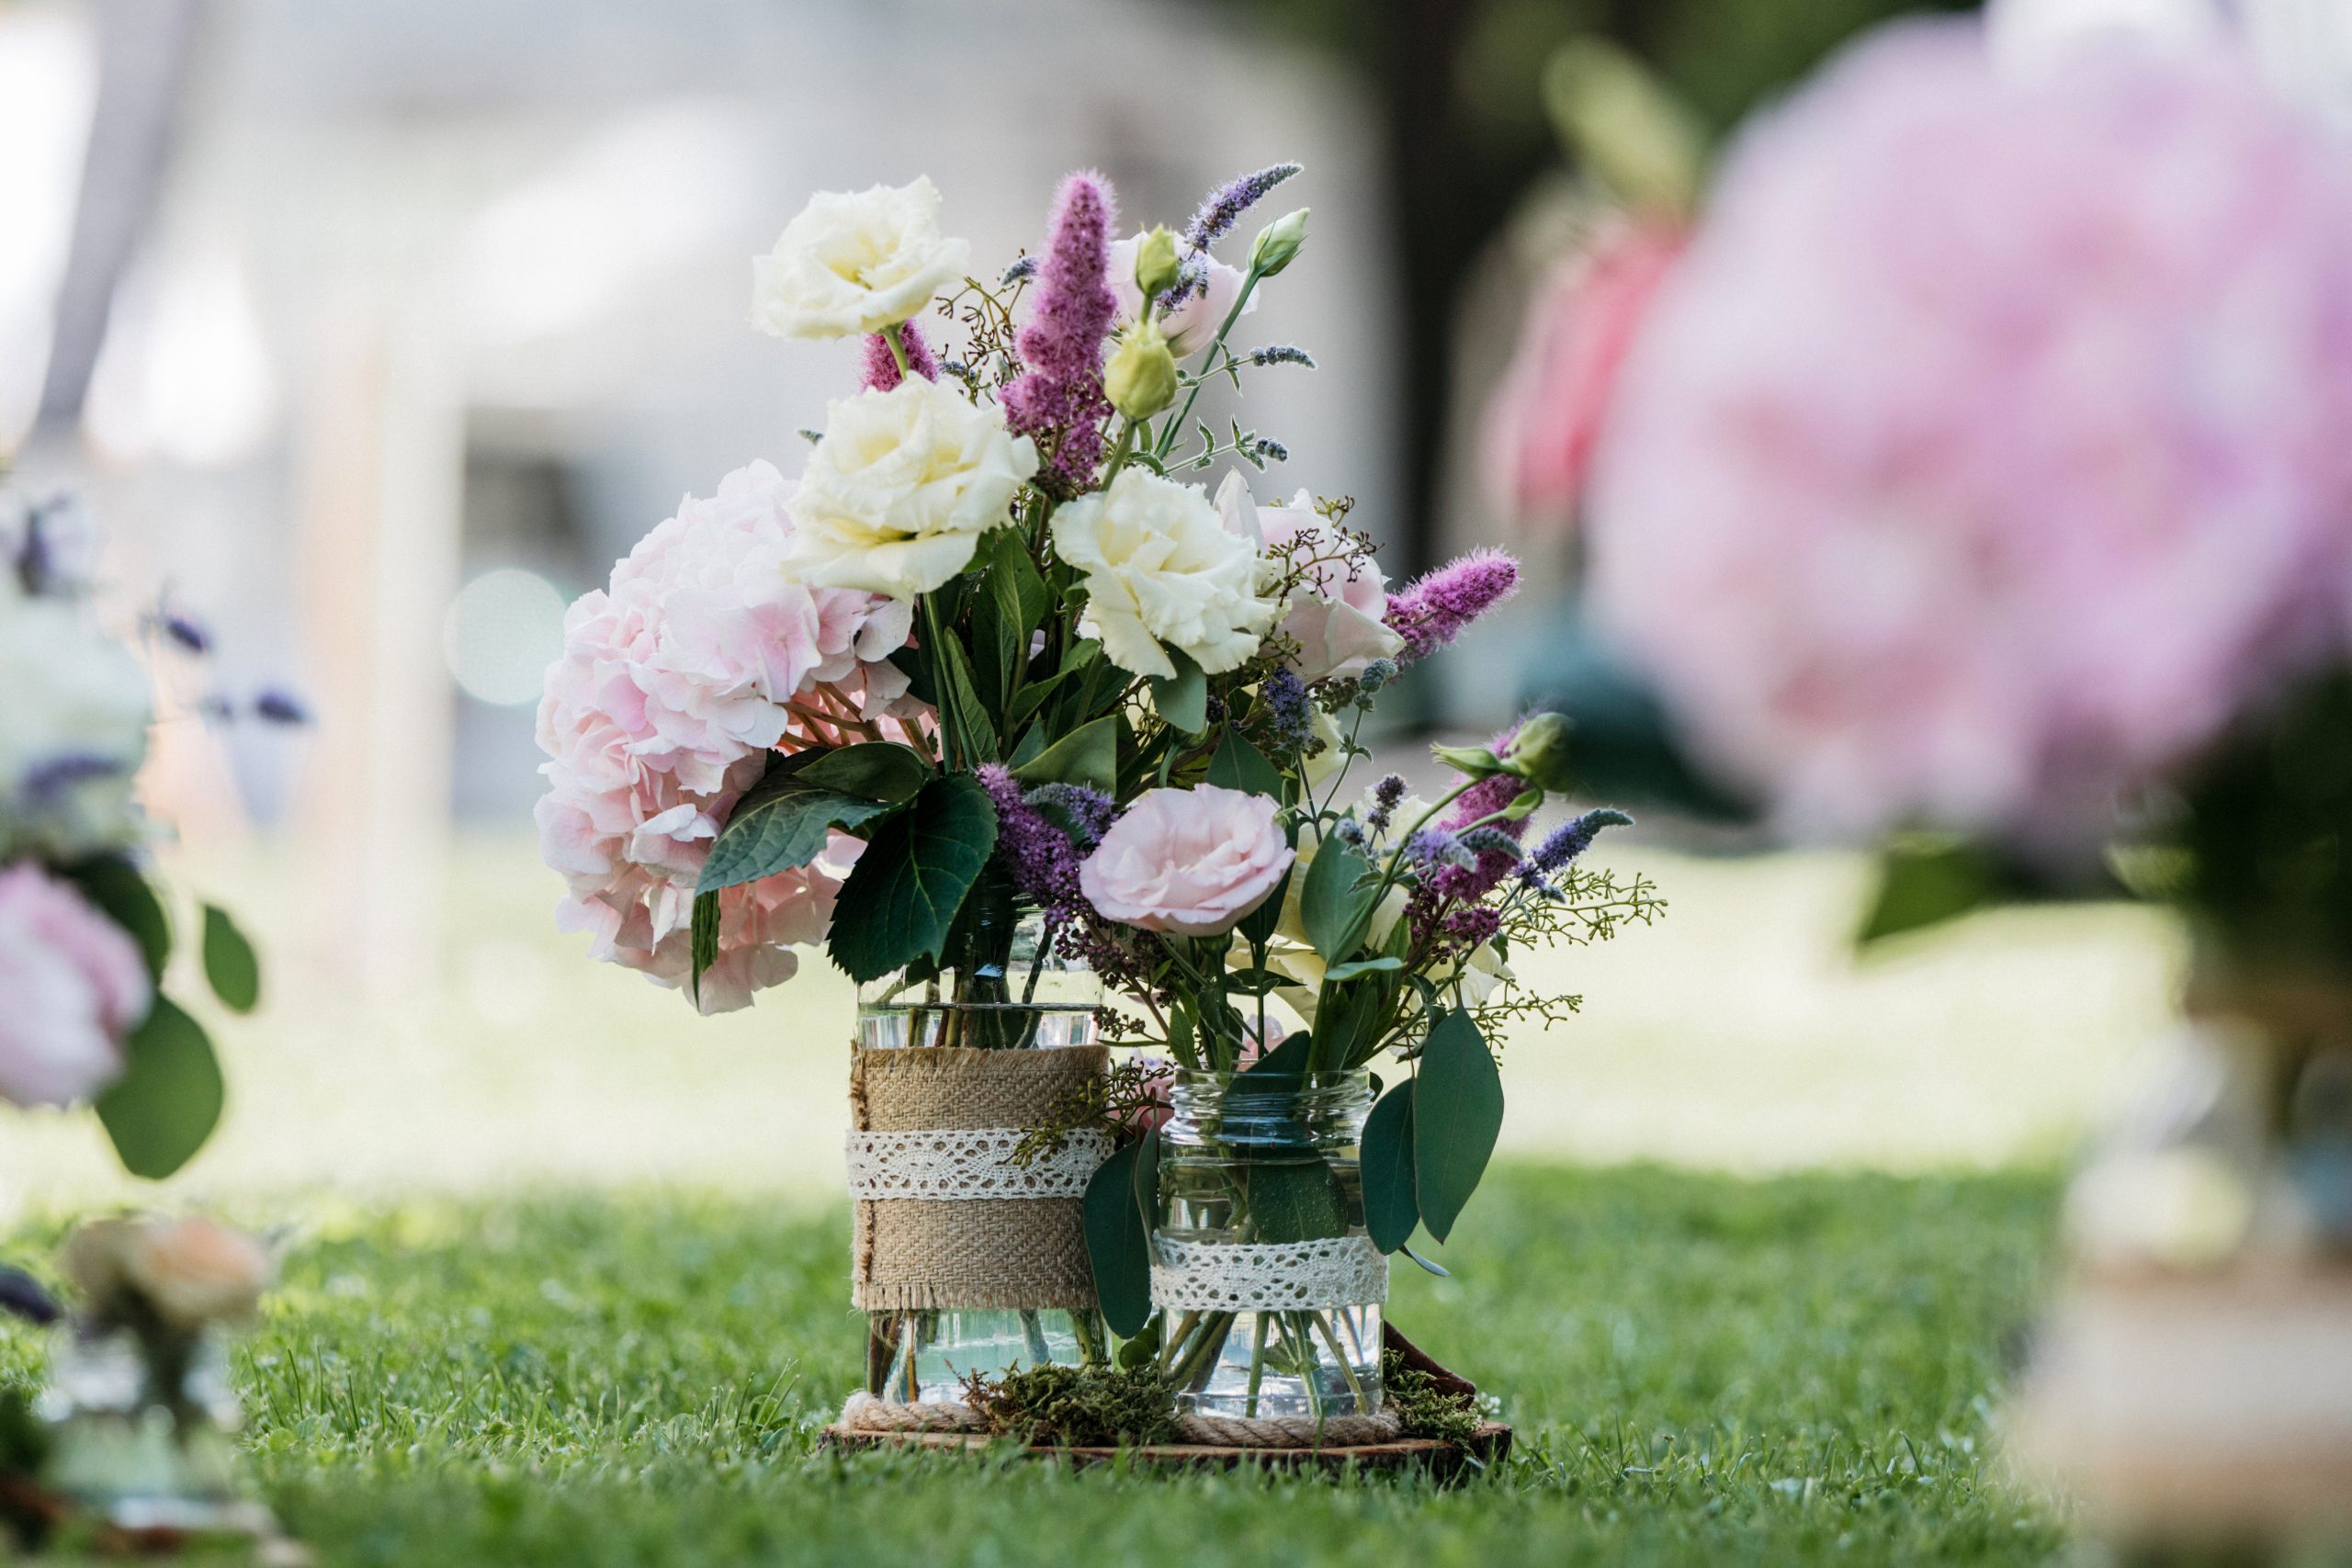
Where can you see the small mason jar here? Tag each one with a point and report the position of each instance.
(1271, 1289)
(1000, 997)
(140, 1427)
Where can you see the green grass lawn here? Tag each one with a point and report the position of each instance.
(1702, 1369)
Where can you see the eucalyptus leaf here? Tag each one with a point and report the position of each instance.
(1118, 1243)
(1457, 1116)
(1183, 699)
(1237, 765)
(1295, 1199)
(230, 967)
(1087, 755)
(1440, 1271)
(902, 896)
(169, 1096)
(1391, 1208)
(1337, 902)
(1258, 927)
(1386, 963)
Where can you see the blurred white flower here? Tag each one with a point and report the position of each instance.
(899, 490)
(1160, 569)
(73, 730)
(73, 984)
(856, 263)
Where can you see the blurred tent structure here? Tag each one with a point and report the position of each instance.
(377, 332)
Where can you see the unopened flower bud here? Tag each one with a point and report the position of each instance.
(1475, 761)
(1278, 243)
(1539, 754)
(1141, 378)
(1157, 264)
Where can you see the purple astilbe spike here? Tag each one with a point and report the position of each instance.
(1223, 207)
(1435, 607)
(1036, 854)
(1086, 812)
(1059, 399)
(1481, 800)
(1563, 843)
(882, 365)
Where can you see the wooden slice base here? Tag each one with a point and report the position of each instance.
(1444, 1462)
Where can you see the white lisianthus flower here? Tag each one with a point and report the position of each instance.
(1192, 325)
(73, 732)
(1337, 611)
(899, 490)
(856, 263)
(1160, 569)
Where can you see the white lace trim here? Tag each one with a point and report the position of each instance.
(1287, 1276)
(951, 1163)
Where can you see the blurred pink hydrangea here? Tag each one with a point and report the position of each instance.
(72, 985)
(1545, 420)
(1988, 450)
(674, 686)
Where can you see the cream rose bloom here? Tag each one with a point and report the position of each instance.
(899, 490)
(1160, 569)
(856, 263)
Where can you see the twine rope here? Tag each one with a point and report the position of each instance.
(1289, 1431)
(864, 1412)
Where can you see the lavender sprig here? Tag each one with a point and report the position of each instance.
(1223, 207)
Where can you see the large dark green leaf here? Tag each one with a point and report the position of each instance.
(902, 896)
(1087, 755)
(168, 1100)
(1118, 1242)
(230, 964)
(123, 896)
(1295, 1199)
(1237, 764)
(877, 769)
(1457, 1116)
(1336, 905)
(1183, 699)
(1391, 1209)
(782, 822)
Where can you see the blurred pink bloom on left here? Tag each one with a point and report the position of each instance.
(1545, 418)
(73, 984)
(674, 685)
(1991, 446)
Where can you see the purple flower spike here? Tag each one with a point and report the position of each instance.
(1058, 400)
(1563, 843)
(1035, 852)
(1483, 799)
(1225, 205)
(1433, 610)
(882, 365)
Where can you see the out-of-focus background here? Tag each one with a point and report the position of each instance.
(375, 332)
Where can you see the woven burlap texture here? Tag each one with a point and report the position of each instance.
(916, 1254)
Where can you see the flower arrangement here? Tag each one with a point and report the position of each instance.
(85, 932)
(997, 654)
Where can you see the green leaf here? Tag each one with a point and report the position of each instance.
(902, 896)
(1289, 1057)
(1384, 965)
(1087, 755)
(782, 822)
(1237, 764)
(1457, 1116)
(705, 941)
(168, 1100)
(1925, 880)
(1257, 927)
(230, 964)
(965, 710)
(1336, 905)
(1012, 579)
(1183, 699)
(1118, 1242)
(1390, 1208)
(122, 893)
(877, 769)
(1295, 1199)
(1147, 1178)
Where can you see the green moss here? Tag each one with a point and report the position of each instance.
(1077, 1406)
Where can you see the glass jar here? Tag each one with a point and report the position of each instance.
(1270, 1288)
(996, 994)
(140, 1426)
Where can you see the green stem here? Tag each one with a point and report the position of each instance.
(1168, 434)
(893, 334)
(1121, 453)
(1347, 1369)
(1257, 1364)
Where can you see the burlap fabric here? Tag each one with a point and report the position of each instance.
(916, 1254)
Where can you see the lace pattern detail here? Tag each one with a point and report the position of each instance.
(960, 1163)
(1285, 1276)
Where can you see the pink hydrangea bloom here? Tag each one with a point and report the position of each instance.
(1191, 861)
(1544, 420)
(1988, 449)
(675, 683)
(72, 985)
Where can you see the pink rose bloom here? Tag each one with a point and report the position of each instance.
(1991, 447)
(1338, 612)
(72, 985)
(674, 685)
(1544, 420)
(1188, 861)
